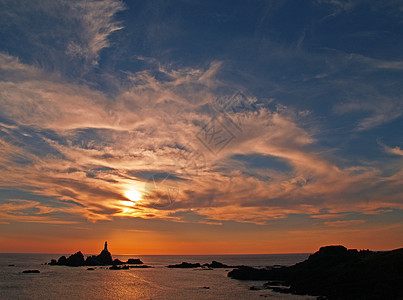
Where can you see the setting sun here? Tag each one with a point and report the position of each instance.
(133, 195)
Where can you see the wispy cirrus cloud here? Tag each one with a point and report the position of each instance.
(96, 20)
(31, 212)
(344, 223)
(392, 150)
(62, 36)
(381, 111)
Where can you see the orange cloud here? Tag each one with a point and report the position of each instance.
(101, 145)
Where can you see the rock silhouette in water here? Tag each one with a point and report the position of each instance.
(75, 260)
(103, 259)
(216, 265)
(62, 260)
(185, 265)
(337, 273)
(134, 261)
(31, 271)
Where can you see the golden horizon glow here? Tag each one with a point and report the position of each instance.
(178, 147)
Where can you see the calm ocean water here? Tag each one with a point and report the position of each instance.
(159, 282)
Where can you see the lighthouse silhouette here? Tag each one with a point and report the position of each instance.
(106, 246)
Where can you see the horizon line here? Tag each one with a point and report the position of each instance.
(166, 254)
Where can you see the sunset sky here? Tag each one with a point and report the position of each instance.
(200, 127)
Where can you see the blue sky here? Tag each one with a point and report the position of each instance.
(270, 118)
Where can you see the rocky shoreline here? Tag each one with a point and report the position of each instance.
(336, 273)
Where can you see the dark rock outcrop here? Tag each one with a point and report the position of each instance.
(31, 271)
(249, 273)
(116, 267)
(92, 261)
(134, 261)
(62, 260)
(338, 273)
(75, 260)
(215, 265)
(103, 259)
(117, 262)
(185, 265)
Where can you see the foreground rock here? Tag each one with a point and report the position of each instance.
(337, 273)
(103, 259)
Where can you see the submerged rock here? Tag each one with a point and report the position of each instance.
(115, 267)
(257, 288)
(31, 271)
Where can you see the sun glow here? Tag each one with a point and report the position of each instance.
(133, 195)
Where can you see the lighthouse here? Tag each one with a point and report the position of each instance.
(106, 246)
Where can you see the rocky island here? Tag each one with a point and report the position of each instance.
(102, 259)
(336, 273)
(185, 265)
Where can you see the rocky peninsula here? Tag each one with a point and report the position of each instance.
(336, 273)
(102, 259)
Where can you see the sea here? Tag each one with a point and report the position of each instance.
(158, 282)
